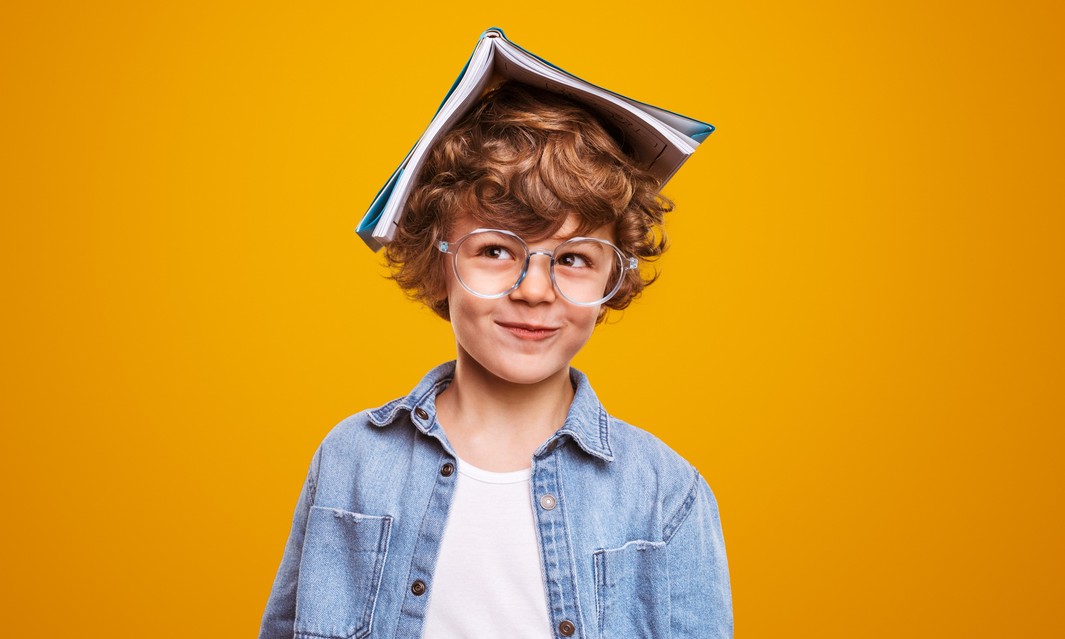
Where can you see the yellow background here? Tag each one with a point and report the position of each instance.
(857, 336)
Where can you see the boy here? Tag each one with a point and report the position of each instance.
(498, 498)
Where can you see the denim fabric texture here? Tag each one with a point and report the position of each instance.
(629, 534)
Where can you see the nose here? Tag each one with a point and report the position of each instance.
(536, 287)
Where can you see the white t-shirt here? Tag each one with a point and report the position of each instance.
(488, 580)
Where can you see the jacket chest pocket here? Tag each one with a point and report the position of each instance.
(632, 591)
(340, 573)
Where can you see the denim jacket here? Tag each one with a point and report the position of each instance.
(629, 535)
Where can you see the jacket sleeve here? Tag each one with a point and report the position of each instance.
(280, 616)
(700, 595)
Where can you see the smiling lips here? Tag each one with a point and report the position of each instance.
(528, 331)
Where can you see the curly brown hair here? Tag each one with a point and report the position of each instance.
(524, 159)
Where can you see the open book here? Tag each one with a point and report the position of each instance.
(660, 140)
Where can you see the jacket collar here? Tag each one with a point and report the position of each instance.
(587, 422)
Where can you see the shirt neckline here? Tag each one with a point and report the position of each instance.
(492, 477)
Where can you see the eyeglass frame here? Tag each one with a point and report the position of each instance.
(627, 264)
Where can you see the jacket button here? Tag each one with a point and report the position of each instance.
(418, 588)
(420, 412)
(447, 469)
(566, 628)
(548, 502)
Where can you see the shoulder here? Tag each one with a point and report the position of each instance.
(348, 430)
(629, 441)
(395, 411)
(642, 459)
(635, 449)
(358, 445)
(391, 420)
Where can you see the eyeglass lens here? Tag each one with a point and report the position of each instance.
(585, 271)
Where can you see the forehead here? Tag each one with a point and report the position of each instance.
(464, 223)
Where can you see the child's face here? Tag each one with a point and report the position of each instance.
(529, 335)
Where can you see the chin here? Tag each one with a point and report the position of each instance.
(515, 373)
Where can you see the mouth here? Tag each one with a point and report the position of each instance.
(528, 331)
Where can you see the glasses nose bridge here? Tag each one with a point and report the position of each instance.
(550, 255)
(546, 253)
(529, 253)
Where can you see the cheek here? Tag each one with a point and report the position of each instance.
(465, 309)
(585, 321)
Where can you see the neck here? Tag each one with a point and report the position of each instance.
(496, 424)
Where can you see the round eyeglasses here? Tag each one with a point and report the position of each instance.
(490, 263)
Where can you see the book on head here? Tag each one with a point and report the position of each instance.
(660, 140)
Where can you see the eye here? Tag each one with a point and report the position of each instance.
(574, 260)
(496, 252)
